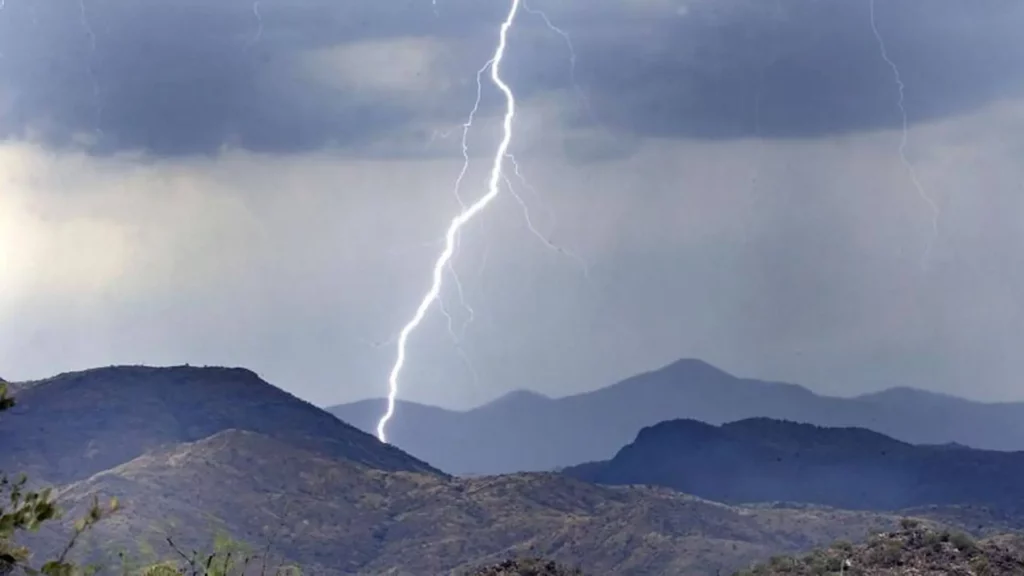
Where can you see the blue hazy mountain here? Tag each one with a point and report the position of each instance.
(526, 431)
(765, 460)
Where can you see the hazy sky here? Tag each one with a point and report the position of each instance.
(218, 182)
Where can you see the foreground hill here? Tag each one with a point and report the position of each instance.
(768, 460)
(910, 551)
(525, 431)
(336, 517)
(74, 425)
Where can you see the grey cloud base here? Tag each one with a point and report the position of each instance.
(182, 78)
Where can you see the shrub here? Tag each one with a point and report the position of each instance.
(23, 510)
(910, 523)
(963, 542)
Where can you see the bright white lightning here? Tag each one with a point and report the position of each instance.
(903, 139)
(466, 126)
(459, 221)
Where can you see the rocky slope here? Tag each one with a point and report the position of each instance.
(909, 551)
(337, 517)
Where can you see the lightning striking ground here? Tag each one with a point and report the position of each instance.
(467, 214)
(903, 139)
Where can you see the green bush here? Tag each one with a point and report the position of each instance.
(23, 510)
(963, 542)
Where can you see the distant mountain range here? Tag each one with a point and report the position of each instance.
(762, 460)
(191, 450)
(524, 431)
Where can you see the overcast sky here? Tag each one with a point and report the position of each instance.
(218, 182)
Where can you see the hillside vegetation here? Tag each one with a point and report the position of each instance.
(425, 524)
(912, 550)
(527, 567)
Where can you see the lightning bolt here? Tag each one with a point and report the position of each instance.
(259, 23)
(87, 27)
(903, 139)
(518, 171)
(467, 214)
(456, 190)
(466, 126)
(451, 329)
(572, 53)
(3, 4)
(529, 220)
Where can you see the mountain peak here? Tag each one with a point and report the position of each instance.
(672, 430)
(518, 398)
(695, 366)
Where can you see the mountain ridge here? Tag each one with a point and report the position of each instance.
(550, 433)
(760, 459)
(76, 424)
(409, 522)
(258, 468)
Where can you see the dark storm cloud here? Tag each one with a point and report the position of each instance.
(173, 77)
(806, 67)
(176, 78)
